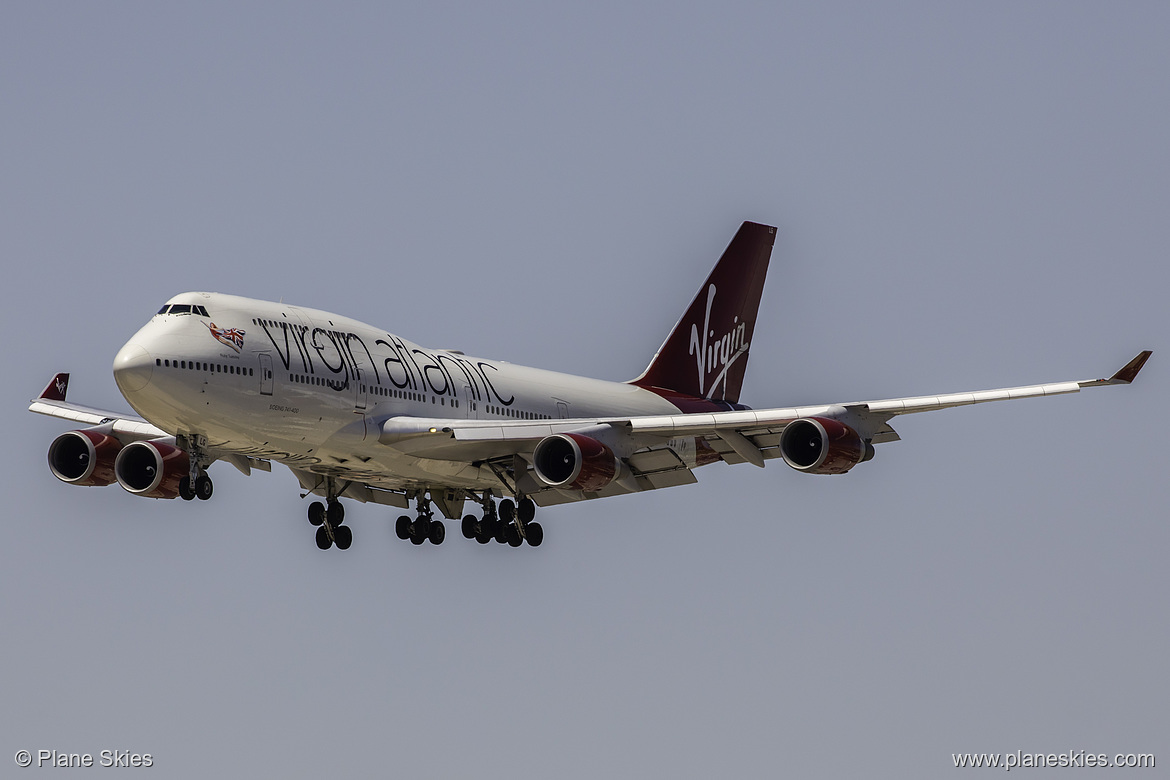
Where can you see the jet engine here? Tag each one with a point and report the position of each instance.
(820, 445)
(84, 457)
(151, 468)
(574, 462)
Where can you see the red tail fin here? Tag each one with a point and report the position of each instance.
(705, 356)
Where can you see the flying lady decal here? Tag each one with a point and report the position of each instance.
(230, 337)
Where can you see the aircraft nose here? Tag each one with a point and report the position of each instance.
(132, 368)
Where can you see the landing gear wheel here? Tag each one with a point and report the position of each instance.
(500, 533)
(316, 513)
(335, 514)
(535, 534)
(343, 537)
(483, 537)
(507, 511)
(437, 532)
(186, 492)
(402, 528)
(468, 527)
(203, 487)
(323, 540)
(526, 510)
(512, 535)
(417, 534)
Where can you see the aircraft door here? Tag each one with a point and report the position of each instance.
(469, 404)
(265, 374)
(361, 375)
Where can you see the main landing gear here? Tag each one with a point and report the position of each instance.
(511, 525)
(424, 527)
(329, 518)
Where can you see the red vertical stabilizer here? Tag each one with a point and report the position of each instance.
(705, 356)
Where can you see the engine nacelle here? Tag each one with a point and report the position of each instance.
(151, 468)
(84, 457)
(574, 462)
(820, 445)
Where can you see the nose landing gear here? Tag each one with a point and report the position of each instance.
(196, 484)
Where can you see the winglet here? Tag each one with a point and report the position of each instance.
(1130, 370)
(55, 390)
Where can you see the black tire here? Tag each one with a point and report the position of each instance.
(468, 526)
(323, 540)
(526, 510)
(402, 528)
(483, 538)
(535, 534)
(316, 513)
(343, 537)
(416, 534)
(335, 513)
(501, 533)
(513, 537)
(186, 492)
(507, 511)
(203, 487)
(437, 532)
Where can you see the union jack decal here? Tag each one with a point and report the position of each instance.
(232, 337)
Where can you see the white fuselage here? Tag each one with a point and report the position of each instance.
(309, 389)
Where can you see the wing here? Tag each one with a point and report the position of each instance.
(125, 427)
(661, 451)
(870, 418)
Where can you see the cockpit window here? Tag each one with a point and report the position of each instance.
(183, 308)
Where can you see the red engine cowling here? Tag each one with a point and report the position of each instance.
(820, 445)
(575, 462)
(84, 457)
(151, 468)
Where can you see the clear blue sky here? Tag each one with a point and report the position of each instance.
(968, 196)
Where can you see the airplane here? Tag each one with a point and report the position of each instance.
(358, 413)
